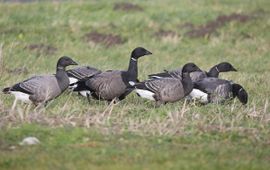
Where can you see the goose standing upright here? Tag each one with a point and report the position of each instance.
(168, 89)
(113, 84)
(197, 75)
(40, 89)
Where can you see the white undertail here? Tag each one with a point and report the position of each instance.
(145, 94)
(198, 95)
(72, 80)
(84, 93)
(21, 96)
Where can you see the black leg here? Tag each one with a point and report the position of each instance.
(88, 97)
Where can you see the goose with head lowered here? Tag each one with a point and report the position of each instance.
(197, 75)
(168, 89)
(215, 90)
(113, 84)
(40, 89)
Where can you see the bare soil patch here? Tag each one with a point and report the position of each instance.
(187, 25)
(42, 49)
(211, 26)
(127, 7)
(108, 40)
(165, 33)
(20, 70)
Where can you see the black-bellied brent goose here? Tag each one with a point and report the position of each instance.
(113, 84)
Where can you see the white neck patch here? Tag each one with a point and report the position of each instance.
(217, 69)
(132, 83)
(133, 59)
(60, 67)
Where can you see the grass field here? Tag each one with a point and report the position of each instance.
(133, 134)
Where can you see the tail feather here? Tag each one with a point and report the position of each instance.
(6, 90)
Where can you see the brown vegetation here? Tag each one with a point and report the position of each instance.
(211, 26)
(127, 7)
(108, 40)
(42, 49)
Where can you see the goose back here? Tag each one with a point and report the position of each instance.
(82, 72)
(195, 76)
(209, 84)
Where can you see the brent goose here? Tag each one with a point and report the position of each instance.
(40, 89)
(217, 90)
(168, 89)
(113, 84)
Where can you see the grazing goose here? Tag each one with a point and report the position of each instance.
(197, 75)
(218, 91)
(115, 83)
(40, 89)
(168, 89)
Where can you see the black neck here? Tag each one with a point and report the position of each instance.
(133, 69)
(236, 89)
(62, 77)
(187, 83)
(213, 72)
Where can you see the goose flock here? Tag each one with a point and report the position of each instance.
(188, 82)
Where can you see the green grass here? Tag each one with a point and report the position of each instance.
(133, 134)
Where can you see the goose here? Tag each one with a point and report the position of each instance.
(215, 90)
(197, 75)
(43, 88)
(78, 74)
(113, 84)
(168, 89)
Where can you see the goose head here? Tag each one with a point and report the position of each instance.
(225, 67)
(190, 67)
(240, 93)
(139, 52)
(65, 61)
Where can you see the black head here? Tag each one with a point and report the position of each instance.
(190, 67)
(240, 92)
(139, 52)
(225, 66)
(65, 61)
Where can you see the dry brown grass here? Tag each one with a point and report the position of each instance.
(251, 120)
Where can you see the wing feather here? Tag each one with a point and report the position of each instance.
(83, 72)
